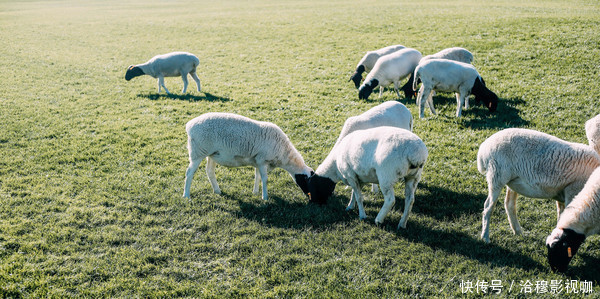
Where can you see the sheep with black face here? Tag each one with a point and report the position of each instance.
(167, 65)
(451, 76)
(368, 61)
(580, 219)
(381, 155)
(391, 68)
(233, 140)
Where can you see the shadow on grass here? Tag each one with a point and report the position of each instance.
(588, 271)
(476, 116)
(445, 205)
(465, 245)
(278, 212)
(184, 97)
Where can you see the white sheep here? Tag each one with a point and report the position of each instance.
(368, 61)
(580, 219)
(381, 155)
(456, 54)
(592, 132)
(451, 76)
(233, 140)
(167, 65)
(533, 164)
(391, 68)
(390, 113)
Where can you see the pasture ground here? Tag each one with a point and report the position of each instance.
(92, 166)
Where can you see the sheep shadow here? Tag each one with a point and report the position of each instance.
(586, 272)
(454, 242)
(281, 213)
(445, 205)
(477, 116)
(184, 97)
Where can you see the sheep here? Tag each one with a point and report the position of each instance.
(381, 155)
(390, 113)
(167, 65)
(451, 76)
(592, 132)
(580, 219)
(533, 164)
(367, 63)
(456, 54)
(391, 68)
(233, 140)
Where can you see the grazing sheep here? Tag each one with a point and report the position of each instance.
(592, 132)
(580, 219)
(381, 155)
(167, 65)
(451, 76)
(456, 54)
(233, 140)
(367, 63)
(533, 164)
(391, 68)
(390, 113)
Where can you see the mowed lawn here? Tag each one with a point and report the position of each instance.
(92, 166)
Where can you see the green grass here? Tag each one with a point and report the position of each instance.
(92, 166)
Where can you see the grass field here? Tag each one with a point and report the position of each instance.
(92, 166)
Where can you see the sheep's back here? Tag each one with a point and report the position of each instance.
(536, 157)
(235, 135)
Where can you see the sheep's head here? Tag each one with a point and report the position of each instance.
(132, 72)
(562, 246)
(302, 181)
(357, 76)
(320, 189)
(408, 88)
(592, 132)
(482, 93)
(366, 89)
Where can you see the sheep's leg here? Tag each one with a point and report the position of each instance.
(466, 101)
(510, 205)
(389, 201)
(396, 89)
(409, 195)
(560, 207)
(196, 79)
(380, 90)
(352, 202)
(161, 83)
(460, 101)
(422, 98)
(262, 170)
(210, 172)
(185, 82)
(430, 102)
(356, 193)
(256, 181)
(374, 188)
(189, 174)
(488, 207)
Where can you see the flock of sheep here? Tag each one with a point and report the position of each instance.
(379, 147)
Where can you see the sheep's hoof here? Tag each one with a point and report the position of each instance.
(217, 192)
(401, 226)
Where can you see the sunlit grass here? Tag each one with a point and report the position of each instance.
(92, 166)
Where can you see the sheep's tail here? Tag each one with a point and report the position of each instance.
(416, 79)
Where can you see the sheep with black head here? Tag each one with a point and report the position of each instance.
(167, 65)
